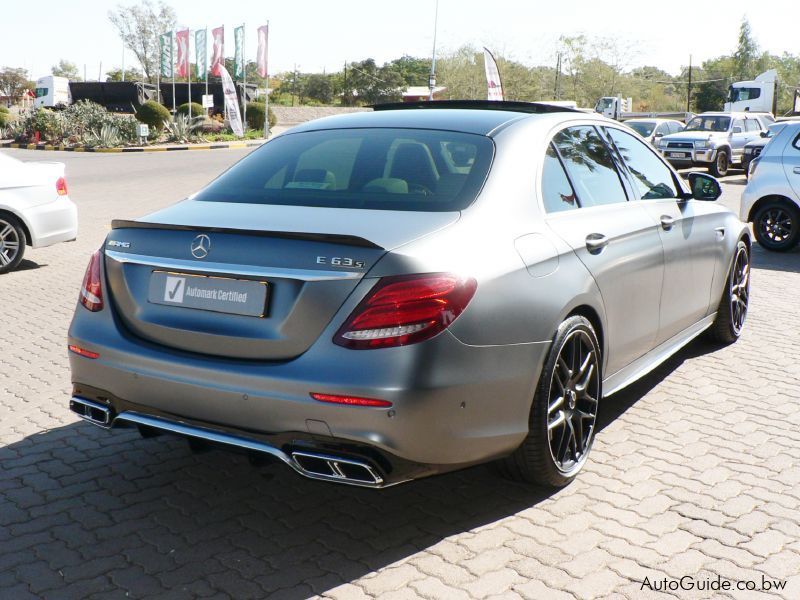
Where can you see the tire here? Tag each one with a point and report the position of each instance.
(12, 243)
(777, 226)
(732, 309)
(720, 166)
(555, 414)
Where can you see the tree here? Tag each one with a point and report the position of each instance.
(130, 75)
(318, 87)
(747, 53)
(139, 27)
(414, 71)
(370, 84)
(13, 82)
(67, 69)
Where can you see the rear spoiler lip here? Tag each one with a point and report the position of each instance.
(330, 238)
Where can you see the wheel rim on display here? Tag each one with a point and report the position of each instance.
(9, 243)
(740, 289)
(722, 162)
(776, 225)
(572, 402)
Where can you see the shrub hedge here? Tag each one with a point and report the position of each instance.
(153, 114)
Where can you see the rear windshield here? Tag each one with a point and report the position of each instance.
(375, 168)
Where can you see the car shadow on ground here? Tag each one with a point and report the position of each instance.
(148, 516)
(776, 261)
(28, 265)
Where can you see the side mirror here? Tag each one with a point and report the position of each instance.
(737, 130)
(764, 134)
(704, 187)
(658, 134)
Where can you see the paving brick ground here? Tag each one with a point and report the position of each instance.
(695, 472)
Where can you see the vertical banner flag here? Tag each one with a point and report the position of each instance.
(218, 55)
(492, 76)
(232, 113)
(182, 40)
(165, 40)
(200, 54)
(238, 55)
(261, 58)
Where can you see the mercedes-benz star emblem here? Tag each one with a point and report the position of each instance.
(201, 246)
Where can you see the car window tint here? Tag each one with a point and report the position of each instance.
(652, 177)
(590, 166)
(557, 192)
(373, 168)
(752, 125)
(738, 123)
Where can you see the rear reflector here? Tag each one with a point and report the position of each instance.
(83, 352)
(91, 295)
(351, 400)
(61, 186)
(406, 310)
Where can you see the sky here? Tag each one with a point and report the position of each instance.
(316, 35)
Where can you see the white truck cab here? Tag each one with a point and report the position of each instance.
(759, 95)
(52, 91)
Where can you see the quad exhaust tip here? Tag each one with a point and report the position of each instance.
(91, 411)
(336, 468)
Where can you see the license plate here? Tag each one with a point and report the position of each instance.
(678, 155)
(217, 294)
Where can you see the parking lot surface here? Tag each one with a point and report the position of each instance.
(695, 471)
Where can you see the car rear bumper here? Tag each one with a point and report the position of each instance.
(452, 404)
(53, 222)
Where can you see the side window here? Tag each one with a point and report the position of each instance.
(557, 192)
(652, 177)
(590, 166)
(738, 123)
(796, 143)
(675, 127)
(662, 129)
(752, 125)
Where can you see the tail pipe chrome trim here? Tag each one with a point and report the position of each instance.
(93, 412)
(314, 466)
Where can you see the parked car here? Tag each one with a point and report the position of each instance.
(753, 149)
(381, 296)
(654, 129)
(713, 140)
(35, 209)
(771, 200)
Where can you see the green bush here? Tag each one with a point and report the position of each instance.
(255, 116)
(3, 109)
(5, 118)
(197, 109)
(153, 114)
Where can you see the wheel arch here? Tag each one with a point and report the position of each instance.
(591, 314)
(21, 221)
(776, 198)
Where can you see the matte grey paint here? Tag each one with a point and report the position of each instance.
(463, 396)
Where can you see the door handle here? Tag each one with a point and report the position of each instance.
(595, 242)
(796, 170)
(667, 222)
(720, 233)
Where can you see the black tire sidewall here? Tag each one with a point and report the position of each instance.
(794, 236)
(715, 167)
(14, 222)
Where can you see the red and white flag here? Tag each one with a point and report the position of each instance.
(182, 41)
(218, 54)
(495, 87)
(261, 58)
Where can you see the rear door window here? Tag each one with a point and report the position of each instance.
(557, 192)
(375, 168)
(590, 166)
(652, 177)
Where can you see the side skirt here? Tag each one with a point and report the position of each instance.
(643, 365)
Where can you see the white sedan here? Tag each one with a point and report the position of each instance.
(35, 209)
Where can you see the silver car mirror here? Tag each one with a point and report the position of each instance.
(704, 187)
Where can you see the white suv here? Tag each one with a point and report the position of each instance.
(771, 200)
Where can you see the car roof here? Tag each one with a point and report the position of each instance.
(475, 116)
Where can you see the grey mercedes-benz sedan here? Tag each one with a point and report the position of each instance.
(376, 297)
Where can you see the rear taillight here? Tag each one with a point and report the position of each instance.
(92, 290)
(351, 400)
(61, 186)
(405, 310)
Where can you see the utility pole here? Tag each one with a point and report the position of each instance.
(558, 75)
(432, 78)
(689, 88)
(345, 91)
